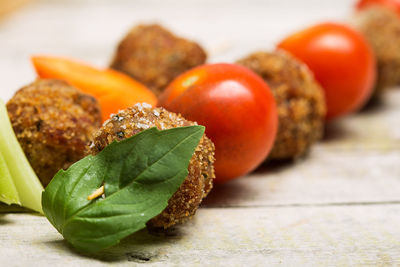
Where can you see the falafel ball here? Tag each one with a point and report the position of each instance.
(299, 98)
(184, 203)
(53, 122)
(381, 27)
(154, 56)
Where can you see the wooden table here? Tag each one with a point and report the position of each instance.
(339, 206)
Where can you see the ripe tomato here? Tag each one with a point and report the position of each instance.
(342, 62)
(237, 108)
(394, 4)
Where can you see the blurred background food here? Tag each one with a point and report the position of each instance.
(381, 27)
(154, 56)
(90, 30)
(299, 98)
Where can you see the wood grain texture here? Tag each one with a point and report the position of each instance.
(291, 236)
(339, 206)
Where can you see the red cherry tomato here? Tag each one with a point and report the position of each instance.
(394, 4)
(237, 108)
(342, 62)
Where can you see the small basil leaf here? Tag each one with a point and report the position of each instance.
(140, 174)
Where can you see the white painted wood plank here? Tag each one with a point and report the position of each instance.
(322, 178)
(376, 128)
(300, 236)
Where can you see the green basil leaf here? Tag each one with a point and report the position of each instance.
(140, 174)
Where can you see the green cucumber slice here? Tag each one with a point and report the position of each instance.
(8, 192)
(25, 180)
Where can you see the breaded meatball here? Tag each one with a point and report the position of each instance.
(299, 98)
(53, 122)
(154, 56)
(381, 27)
(184, 203)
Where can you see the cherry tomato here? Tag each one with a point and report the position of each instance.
(394, 4)
(237, 108)
(342, 62)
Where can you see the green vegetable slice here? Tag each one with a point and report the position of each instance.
(25, 180)
(140, 174)
(8, 192)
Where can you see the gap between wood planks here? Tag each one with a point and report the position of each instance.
(332, 204)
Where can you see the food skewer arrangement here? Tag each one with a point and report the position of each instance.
(272, 106)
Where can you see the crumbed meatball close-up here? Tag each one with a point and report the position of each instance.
(53, 122)
(154, 56)
(381, 27)
(184, 203)
(299, 98)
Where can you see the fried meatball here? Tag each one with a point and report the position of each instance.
(154, 56)
(53, 122)
(381, 27)
(299, 98)
(184, 203)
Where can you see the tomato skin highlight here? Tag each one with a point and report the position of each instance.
(342, 62)
(237, 108)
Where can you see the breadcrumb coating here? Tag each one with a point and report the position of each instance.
(184, 203)
(154, 56)
(299, 98)
(53, 122)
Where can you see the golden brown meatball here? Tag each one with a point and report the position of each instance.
(184, 203)
(154, 56)
(53, 122)
(381, 27)
(299, 98)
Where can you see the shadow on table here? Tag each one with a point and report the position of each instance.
(8, 209)
(237, 191)
(373, 105)
(275, 166)
(4, 208)
(337, 130)
(139, 247)
(223, 195)
(4, 220)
